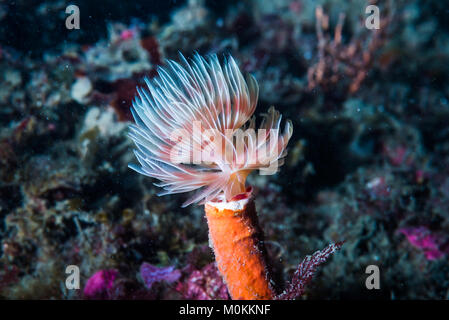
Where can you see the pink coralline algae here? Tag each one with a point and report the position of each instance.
(100, 285)
(127, 34)
(204, 284)
(152, 274)
(430, 243)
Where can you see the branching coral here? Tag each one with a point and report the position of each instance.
(337, 60)
(306, 270)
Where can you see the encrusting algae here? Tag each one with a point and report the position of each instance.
(195, 130)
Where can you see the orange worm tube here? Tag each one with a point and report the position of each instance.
(236, 238)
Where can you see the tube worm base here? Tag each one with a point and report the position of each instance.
(236, 238)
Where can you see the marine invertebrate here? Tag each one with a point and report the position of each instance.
(239, 251)
(194, 130)
(306, 270)
(152, 274)
(189, 135)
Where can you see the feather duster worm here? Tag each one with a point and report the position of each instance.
(194, 130)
